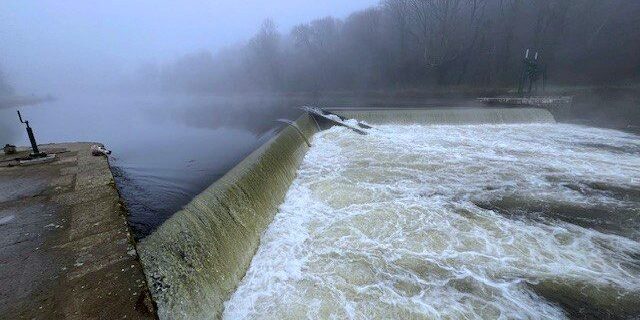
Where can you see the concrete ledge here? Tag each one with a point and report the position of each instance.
(451, 116)
(529, 101)
(66, 251)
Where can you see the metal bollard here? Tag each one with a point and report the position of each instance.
(34, 145)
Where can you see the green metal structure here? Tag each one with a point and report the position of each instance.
(531, 72)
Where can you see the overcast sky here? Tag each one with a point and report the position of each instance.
(49, 45)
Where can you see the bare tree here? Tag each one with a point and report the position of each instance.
(5, 88)
(264, 56)
(445, 30)
(399, 14)
(417, 43)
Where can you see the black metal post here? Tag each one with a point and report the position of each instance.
(523, 77)
(32, 138)
(544, 78)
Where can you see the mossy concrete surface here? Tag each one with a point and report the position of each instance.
(196, 259)
(66, 251)
(449, 116)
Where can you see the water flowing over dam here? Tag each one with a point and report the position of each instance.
(392, 225)
(477, 213)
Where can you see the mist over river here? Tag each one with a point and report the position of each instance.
(166, 149)
(532, 221)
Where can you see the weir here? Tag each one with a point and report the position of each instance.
(195, 260)
(456, 116)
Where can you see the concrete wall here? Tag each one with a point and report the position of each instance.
(451, 116)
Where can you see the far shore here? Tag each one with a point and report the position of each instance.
(20, 101)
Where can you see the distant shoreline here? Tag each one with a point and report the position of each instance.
(19, 101)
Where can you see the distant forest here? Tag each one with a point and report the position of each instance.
(5, 88)
(419, 44)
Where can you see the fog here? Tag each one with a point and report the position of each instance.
(454, 213)
(169, 84)
(418, 44)
(226, 47)
(52, 46)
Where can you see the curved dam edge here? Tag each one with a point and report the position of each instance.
(452, 116)
(196, 259)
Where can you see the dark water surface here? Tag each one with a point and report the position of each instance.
(165, 149)
(169, 148)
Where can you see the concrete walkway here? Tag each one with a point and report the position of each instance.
(65, 247)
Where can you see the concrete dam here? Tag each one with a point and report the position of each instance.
(435, 213)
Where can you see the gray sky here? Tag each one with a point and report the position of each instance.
(52, 45)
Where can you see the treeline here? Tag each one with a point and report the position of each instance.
(5, 88)
(422, 43)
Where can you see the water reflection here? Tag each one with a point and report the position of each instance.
(165, 149)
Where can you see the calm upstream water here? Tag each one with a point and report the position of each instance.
(537, 221)
(166, 149)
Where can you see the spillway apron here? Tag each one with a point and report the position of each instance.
(479, 221)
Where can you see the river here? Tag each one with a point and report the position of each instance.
(166, 148)
(531, 221)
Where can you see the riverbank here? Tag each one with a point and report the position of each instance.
(67, 251)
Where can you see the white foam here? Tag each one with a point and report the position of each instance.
(7, 219)
(384, 225)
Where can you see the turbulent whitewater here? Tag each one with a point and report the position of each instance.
(476, 221)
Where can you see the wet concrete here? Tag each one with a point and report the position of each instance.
(66, 250)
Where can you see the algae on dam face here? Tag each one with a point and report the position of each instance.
(396, 225)
(194, 261)
(451, 116)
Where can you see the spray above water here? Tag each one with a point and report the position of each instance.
(479, 221)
